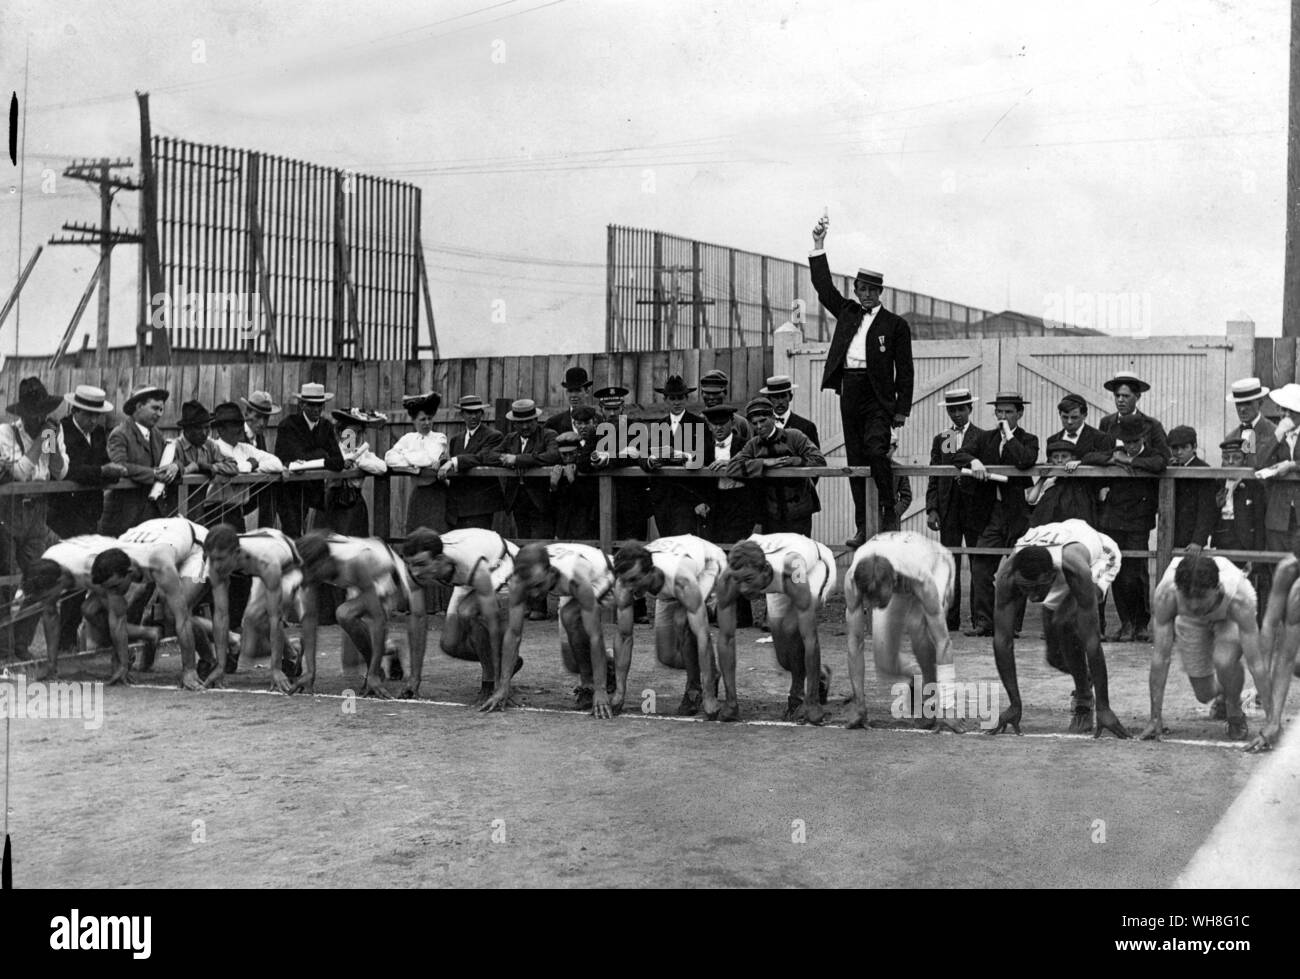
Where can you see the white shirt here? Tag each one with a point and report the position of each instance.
(14, 443)
(674, 421)
(782, 419)
(418, 451)
(244, 452)
(146, 432)
(857, 355)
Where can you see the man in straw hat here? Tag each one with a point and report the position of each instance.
(306, 438)
(258, 409)
(954, 506)
(1258, 435)
(869, 366)
(1006, 445)
(471, 502)
(32, 450)
(137, 446)
(86, 442)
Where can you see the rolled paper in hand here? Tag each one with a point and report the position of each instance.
(993, 477)
(303, 464)
(1270, 471)
(168, 457)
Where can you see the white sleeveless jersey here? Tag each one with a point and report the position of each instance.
(913, 556)
(1103, 554)
(581, 562)
(1232, 580)
(469, 547)
(183, 538)
(668, 553)
(817, 557)
(394, 580)
(76, 554)
(272, 546)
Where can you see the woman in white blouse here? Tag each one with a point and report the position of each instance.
(422, 449)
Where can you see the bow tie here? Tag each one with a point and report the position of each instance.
(1245, 426)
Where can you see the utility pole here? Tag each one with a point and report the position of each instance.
(105, 236)
(1291, 265)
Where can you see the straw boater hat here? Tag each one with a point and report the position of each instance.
(1247, 389)
(88, 398)
(1009, 398)
(870, 278)
(523, 410)
(1129, 378)
(260, 402)
(778, 384)
(313, 394)
(140, 393)
(470, 402)
(956, 397)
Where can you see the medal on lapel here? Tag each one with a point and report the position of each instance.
(882, 343)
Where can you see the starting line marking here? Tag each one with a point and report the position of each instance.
(1044, 736)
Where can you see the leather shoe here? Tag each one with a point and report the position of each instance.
(1142, 635)
(1123, 634)
(979, 629)
(857, 540)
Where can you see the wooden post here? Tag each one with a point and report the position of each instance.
(1164, 529)
(105, 265)
(13, 296)
(658, 307)
(609, 288)
(606, 512)
(162, 351)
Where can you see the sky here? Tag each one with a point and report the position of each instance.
(1047, 157)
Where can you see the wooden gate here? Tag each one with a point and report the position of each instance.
(1189, 378)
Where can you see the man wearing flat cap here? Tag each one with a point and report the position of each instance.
(310, 441)
(1006, 445)
(1195, 513)
(576, 387)
(137, 446)
(787, 504)
(957, 507)
(1058, 498)
(714, 386)
(869, 366)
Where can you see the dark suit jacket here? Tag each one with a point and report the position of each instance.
(801, 424)
(1265, 440)
(123, 509)
(561, 423)
(295, 442)
(1245, 531)
(1156, 438)
(957, 500)
(1067, 499)
(686, 493)
(1095, 447)
(1021, 452)
(1282, 493)
(889, 344)
(784, 499)
(1131, 503)
(474, 497)
(1195, 510)
(71, 514)
(542, 451)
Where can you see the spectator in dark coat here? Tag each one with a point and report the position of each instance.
(306, 438)
(575, 491)
(264, 497)
(1128, 516)
(528, 446)
(472, 502)
(1006, 445)
(1195, 512)
(1240, 527)
(788, 504)
(957, 507)
(86, 442)
(1057, 498)
(576, 385)
(1258, 435)
(676, 437)
(713, 393)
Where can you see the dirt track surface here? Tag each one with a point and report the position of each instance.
(300, 792)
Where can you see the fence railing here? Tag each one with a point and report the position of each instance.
(383, 524)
